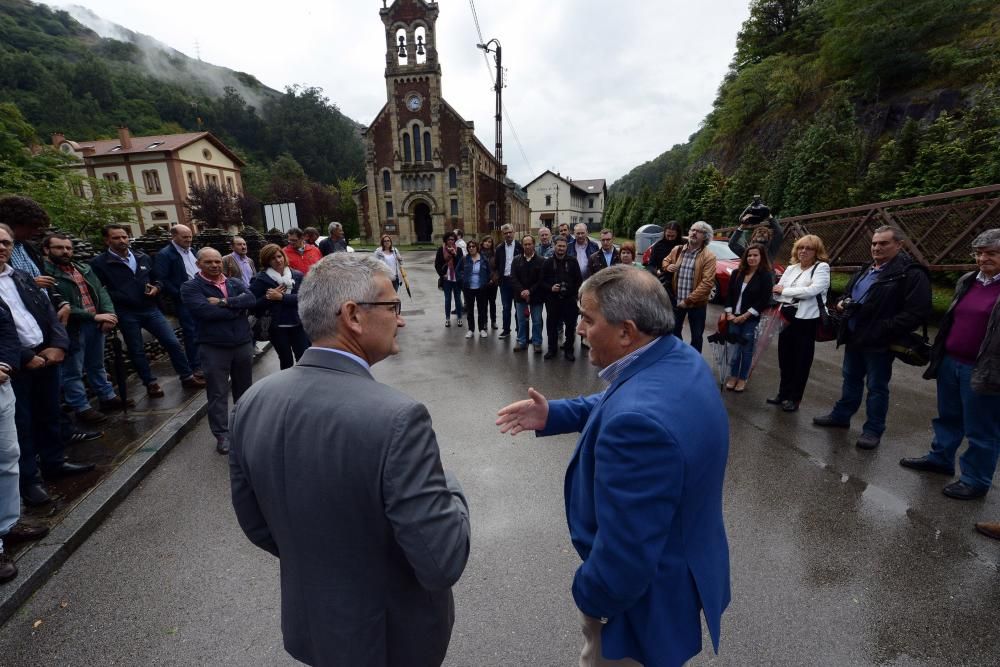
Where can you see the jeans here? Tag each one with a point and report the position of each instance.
(290, 343)
(226, 369)
(865, 367)
(132, 323)
(38, 424)
(796, 348)
(964, 413)
(86, 354)
(190, 331)
(741, 353)
(506, 300)
(696, 317)
(475, 304)
(10, 493)
(452, 288)
(522, 323)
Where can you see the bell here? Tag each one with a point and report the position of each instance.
(420, 46)
(402, 47)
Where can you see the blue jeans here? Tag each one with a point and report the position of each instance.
(522, 323)
(86, 354)
(506, 301)
(132, 323)
(863, 367)
(452, 288)
(696, 316)
(964, 413)
(10, 492)
(741, 353)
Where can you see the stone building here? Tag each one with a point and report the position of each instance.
(160, 170)
(426, 172)
(555, 199)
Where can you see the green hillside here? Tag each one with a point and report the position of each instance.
(831, 103)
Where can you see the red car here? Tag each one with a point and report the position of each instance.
(727, 262)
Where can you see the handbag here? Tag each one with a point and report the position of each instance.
(828, 326)
(912, 348)
(261, 326)
(723, 326)
(788, 311)
(440, 282)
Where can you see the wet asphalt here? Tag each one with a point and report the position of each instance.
(839, 556)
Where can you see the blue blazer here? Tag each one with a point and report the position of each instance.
(225, 326)
(644, 505)
(170, 271)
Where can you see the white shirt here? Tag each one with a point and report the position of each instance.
(27, 328)
(190, 264)
(462, 244)
(509, 258)
(581, 258)
(128, 260)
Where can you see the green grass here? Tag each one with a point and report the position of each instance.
(940, 296)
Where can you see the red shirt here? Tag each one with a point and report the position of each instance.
(304, 259)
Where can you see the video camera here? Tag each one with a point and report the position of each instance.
(757, 210)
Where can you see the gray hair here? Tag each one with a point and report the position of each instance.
(332, 227)
(207, 250)
(506, 227)
(897, 233)
(580, 224)
(988, 239)
(702, 226)
(332, 282)
(624, 292)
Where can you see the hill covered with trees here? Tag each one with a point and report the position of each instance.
(833, 103)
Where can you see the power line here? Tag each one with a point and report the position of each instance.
(489, 70)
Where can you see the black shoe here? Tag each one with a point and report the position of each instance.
(777, 400)
(568, 355)
(34, 495)
(829, 421)
(222, 446)
(493, 325)
(789, 406)
(924, 464)
(504, 334)
(91, 416)
(25, 532)
(549, 355)
(7, 568)
(84, 436)
(520, 348)
(962, 491)
(867, 441)
(66, 469)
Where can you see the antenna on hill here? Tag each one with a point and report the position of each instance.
(197, 49)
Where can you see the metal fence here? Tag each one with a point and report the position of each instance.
(939, 228)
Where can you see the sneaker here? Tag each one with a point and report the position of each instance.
(482, 334)
(91, 416)
(459, 321)
(85, 436)
(469, 334)
(447, 322)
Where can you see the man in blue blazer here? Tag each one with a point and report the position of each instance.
(644, 486)
(175, 264)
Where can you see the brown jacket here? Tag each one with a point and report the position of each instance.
(704, 275)
(231, 268)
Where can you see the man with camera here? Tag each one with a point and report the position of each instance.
(884, 301)
(560, 282)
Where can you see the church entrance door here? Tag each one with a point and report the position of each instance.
(423, 226)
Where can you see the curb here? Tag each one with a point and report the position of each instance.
(48, 555)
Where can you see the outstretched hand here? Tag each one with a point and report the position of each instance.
(527, 415)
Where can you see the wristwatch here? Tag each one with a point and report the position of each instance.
(223, 303)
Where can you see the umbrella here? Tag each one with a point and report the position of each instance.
(771, 324)
(406, 282)
(720, 353)
(118, 366)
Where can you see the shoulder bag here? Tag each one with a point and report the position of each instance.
(912, 348)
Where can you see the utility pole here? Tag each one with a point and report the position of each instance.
(498, 153)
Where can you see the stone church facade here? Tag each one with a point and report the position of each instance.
(426, 172)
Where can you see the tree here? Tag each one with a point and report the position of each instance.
(212, 206)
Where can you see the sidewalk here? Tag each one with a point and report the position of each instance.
(133, 444)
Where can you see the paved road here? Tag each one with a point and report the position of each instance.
(840, 557)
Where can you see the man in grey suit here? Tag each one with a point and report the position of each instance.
(370, 530)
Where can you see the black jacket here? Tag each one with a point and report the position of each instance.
(10, 343)
(986, 372)
(328, 247)
(898, 302)
(660, 251)
(526, 274)
(500, 259)
(757, 294)
(441, 266)
(38, 303)
(565, 270)
(127, 289)
(170, 270)
(597, 260)
(225, 326)
(285, 311)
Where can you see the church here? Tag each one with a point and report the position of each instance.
(425, 170)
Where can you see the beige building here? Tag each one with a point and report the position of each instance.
(555, 199)
(160, 170)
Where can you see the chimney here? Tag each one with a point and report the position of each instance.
(124, 138)
(58, 138)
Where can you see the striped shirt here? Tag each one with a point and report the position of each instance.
(611, 372)
(685, 274)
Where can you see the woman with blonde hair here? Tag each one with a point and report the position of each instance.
(799, 292)
(388, 254)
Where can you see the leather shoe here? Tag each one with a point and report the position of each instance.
(568, 354)
(829, 421)
(867, 441)
(789, 406)
(66, 469)
(549, 355)
(222, 446)
(962, 491)
(25, 532)
(7, 568)
(193, 382)
(924, 463)
(777, 400)
(989, 529)
(116, 403)
(34, 495)
(91, 416)
(153, 390)
(520, 348)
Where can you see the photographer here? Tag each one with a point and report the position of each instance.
(560, 282)
(884, 301)
(757, 225)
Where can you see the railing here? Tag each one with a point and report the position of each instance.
(939, 228)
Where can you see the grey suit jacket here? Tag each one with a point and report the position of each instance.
(341, 478)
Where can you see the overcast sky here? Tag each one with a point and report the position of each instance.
(594, 88)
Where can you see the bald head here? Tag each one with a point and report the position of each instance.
(181, 235)
(210, 263)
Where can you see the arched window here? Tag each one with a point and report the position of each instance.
(401, 47)
(416, 142)
(420, 37)
(386, 181)
(407, 157)
(427, 146)
(453, 178)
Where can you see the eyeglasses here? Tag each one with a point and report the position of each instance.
(397, 306)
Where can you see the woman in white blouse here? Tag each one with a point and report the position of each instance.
(806, 278)
(391, 257)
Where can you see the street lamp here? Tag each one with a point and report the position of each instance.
(498, 155)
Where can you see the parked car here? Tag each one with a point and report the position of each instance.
(727, 262)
